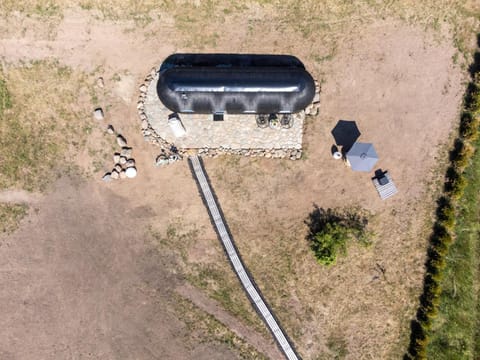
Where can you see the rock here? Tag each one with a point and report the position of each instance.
(100, 82)
(118, 168)
(316, 98)
(153, 72)
(107, 177)
(123, 160)
(110, 130)
(280, 153)
(143, 88)
(126, 151)
(121, 141)
(130, 163)
(98, 114)
(116, 158)
(143, 117)
(268, 155)
(308, 109)
(161, 160)
(131, 172)
(122, 174)
(140, 105)
(114, 174)
(299, 155)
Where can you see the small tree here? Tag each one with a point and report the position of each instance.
(330, 231)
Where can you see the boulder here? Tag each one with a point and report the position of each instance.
(107, 177)
(123, 160)
(122, 174)
(98, 114)
(116, 158)
(100, 82)
(114, 174)
(126, 151)
(121, 141)
(110, 130)
(131, 172)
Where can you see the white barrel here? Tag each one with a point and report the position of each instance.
(337, 155)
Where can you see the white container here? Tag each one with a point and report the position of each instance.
(177, 127)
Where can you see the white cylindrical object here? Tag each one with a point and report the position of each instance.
(337, 155)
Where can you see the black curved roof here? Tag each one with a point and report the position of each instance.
(217, 83)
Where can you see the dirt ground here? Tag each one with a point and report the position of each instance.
(83, 277)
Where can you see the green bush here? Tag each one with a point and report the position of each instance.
(446, 213)
(468, 129)
(330, 231)
(329, 242)
(460, 155)
(455, 182)
(472, 98)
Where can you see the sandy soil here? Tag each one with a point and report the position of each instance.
(82, 280)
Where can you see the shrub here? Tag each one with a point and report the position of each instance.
(446, 213)
(455, 182)
(468, 129)
(460, 155)
(330, 230)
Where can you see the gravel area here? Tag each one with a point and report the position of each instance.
(235, 132)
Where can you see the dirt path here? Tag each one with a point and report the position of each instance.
(210, 306)
(19, 196)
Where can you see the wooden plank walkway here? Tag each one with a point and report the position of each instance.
(385, 191)
(236, 262)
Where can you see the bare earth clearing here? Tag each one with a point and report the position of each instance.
(95, 269)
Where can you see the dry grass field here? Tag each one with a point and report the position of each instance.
(133, 269)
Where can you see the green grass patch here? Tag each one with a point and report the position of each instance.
(10, 216)
(216, 279)
(454, 333)
(40, 119)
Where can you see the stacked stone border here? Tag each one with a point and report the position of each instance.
(169, 149)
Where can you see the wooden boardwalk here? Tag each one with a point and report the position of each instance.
(385, 191)
(245, 278)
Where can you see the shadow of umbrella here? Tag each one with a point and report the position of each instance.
(345, 134)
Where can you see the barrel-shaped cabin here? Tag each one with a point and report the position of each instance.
(234, 84)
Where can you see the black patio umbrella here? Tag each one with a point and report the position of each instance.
(345, 133)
